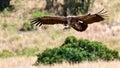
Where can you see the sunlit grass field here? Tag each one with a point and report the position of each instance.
(21, 62)
(15, 41)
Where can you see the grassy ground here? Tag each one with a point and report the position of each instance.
(13, 40)
(20, 62)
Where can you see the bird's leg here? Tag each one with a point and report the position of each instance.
(68, 23)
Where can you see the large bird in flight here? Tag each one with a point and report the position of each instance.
(79, 23)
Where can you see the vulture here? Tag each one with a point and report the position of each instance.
(79, 23)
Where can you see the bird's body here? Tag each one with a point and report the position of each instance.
(79, 23)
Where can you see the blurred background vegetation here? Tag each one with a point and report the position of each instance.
(4, 4)
(17, 34)
(70, 6)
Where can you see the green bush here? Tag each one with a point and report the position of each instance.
(70, 41)
(75, 51)
(50, 56)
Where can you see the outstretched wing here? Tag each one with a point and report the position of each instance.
(74, 21)
(83, 21)
(49, 20)
(92, 18)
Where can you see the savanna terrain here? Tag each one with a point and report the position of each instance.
(21, 42)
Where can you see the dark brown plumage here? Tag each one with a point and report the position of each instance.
(79, 23)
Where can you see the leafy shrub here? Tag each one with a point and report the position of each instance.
(50, 56)
(70, 41)
(75, 51)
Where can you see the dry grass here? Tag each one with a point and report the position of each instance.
(28, 62)
(99, 64)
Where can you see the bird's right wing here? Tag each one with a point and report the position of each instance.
(49, 20)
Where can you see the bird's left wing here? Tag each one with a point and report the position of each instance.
(92, 18)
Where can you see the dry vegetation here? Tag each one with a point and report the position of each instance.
(14, 40)
(22, 63)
